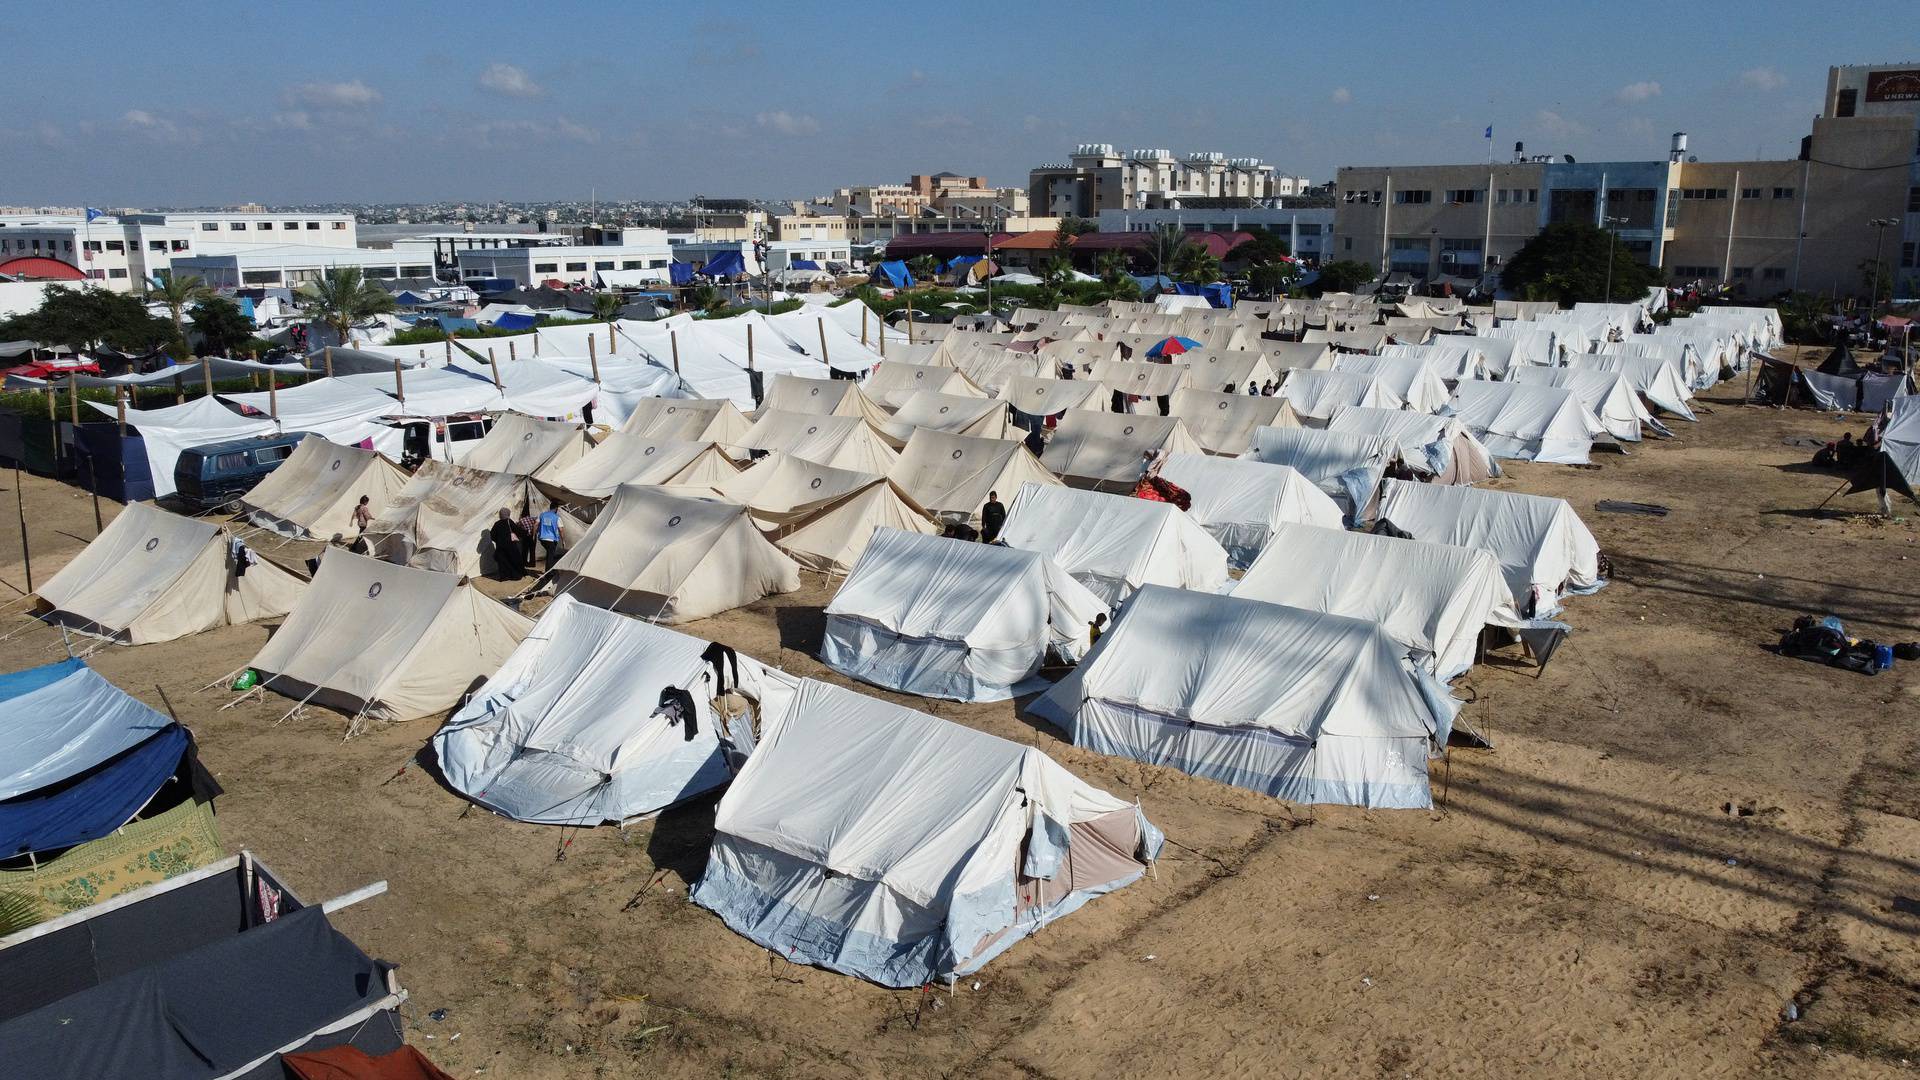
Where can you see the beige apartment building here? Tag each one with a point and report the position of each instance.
(1099, 178)
(1757, 227)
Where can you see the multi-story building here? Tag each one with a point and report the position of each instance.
(124, 252)
(570, 264)
(1757, 227)
(256, 228)
(1098, 178)
(255, 266)
(1307, 229)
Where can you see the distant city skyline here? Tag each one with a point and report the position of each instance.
(351, 102)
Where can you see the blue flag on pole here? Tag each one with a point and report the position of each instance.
(92, 213)
(1489, 131)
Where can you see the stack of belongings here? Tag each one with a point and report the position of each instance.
(1825, 641)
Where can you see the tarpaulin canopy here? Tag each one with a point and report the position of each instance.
(1094, 448)
(313, 493)
(440, 519)
(1543, 547)
(1438, 446)
(725, 264)
(61, 720)
(894, 273)
(165, 432)
(1346, 467)
(94, 804)
(1314, 394)
(626, 458)
(1224, 423)
(1528, 422)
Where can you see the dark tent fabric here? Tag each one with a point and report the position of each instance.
(1877, 470)
(725, 264)
(94, 804)
(173, 917)
(1839, 362)
(361, 362)
(513, 320)
(353, 1063)
(541, 299)
(452, 324)
(803, 264)
(412, 299)
(209, 1012)
(893, 273)
(680, 273)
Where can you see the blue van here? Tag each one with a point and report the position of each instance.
(217, 473)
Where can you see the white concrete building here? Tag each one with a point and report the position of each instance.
(293, 265)
(571, 264)
(118, 255)
(259, 229)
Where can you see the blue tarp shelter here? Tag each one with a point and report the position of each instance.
(803, 264)
(1218, 295)
(680, 273)
(894, 273)
(411, 299)
(62, 720)
(450, 324)
(94, 804)
(725, 264)
(514, 320)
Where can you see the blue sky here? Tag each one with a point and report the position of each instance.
(144, 104)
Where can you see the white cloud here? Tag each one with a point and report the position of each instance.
(150, 125)
(509, 80)
(1342, 96)
(1633, 93)
(1031, 122)
(295, 119)
(1554, 124)
(333, 95)
(787, 123)
(1763, 78)
(573, 132)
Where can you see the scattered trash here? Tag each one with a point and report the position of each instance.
(1150, 956)
(1733, 862)
(1373, 896)
(1365, 981)
(432, 1036)
(976, 986)
(1622, 506)
(938, 1004)
(456, 1037)
(1793, 1011)
(248, 680)
(437, 1015)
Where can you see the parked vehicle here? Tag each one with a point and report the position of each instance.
(217, 473)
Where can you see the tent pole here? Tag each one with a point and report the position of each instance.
(673, 338)
(206, 375)
(19, 505)
(120, 407)
(823, 340)
(399, 386)
(749, 346)
(512, 354)
(328, 353)
(863, 324)
(593, 357)
(53, 425)
(273, 395)
(612, 347)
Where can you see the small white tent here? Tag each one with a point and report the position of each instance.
(1300, 705)
(1439, 446)
(1606, 394)
(627, 458)
(952, 475)
(1223, 423)
(821, 397)
(1242, 502)
(1412, 378)
(1544, 548)
(1655, 377)
(523, 446)
(1114, 544)
(844, 442)
(1047, 397)
(688, 420)
(561, 734)
(673, 559)
(1526, 422)
(952, 619)
(823, 516)
(154, 576)
(984, 418)
(1315, 394)
(873, 840)
(1445, 358)
(1095, 449)
(1346, 467)
(387, 642)
(1433, 598)
(440, 520)
(312, 494)
(896, 380)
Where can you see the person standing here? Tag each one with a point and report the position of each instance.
(993, 515)
(551, 533)
(509, 554)
(363, 513)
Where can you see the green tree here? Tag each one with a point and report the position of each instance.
(85, 319)
(1195, 265)
(1163, 243)
(1264, 249)
(1069, 228)
(343, 298)
(1567, 263)
(924, 268)
(179, 292)
(606, 306)
(222, 326)
(1112, 268)
(1344, 275)
(1056, 272)
(1273, 278)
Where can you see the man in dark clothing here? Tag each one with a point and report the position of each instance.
(992, 517)
(1036, 442)
(509, 547)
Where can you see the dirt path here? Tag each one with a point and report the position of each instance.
(1583, 905)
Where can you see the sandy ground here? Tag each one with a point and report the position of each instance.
(1583, 904)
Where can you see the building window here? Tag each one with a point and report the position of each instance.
(1413, 198)
(313, 226)
(1409, 255)
(156, 245)
(1347, 243)
(1466, 195)
(1783, 193)
(290, 225)
(416, 271)
(386, 272)
(1742, 273)
(1703, 273)
(1913, 200)
(1909, 255)
(116, 273)
(209, 226)
(1774, 273)
(339, 226)
(1749, 192)
(266, 226)
(576, 267)
(1844, 104)
(260, 277)
(606, 264)
(1702, 193)
(85, 245)
(237, 226)
(545, 268)
(632, 264)
(179, 245)
(116, 245)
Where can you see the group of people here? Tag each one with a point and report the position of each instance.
(514, 539)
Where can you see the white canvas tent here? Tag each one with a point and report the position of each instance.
(1240, 503)
(154, 576)
(1301, 705)
(823, 516)
(312, 494)
(1658, 378)
(821, 397)
(1439, 446)
(1315, 394)
(334, 409)
(1215, 370)
(1092, 449)
(1290, 355)
(1347, 467)
(1606, 394)
(952, 475)
(881, 842)
(844, 442)
(688, 420)
(980, 417)
(673, 559)
(1048, 397)
(164, 433)
(627, 458)
(440, 520)
(1114, 544)
(894, 381)
(1224, 423)
(1543, 547)
(562, 735)
(1445, 357)
(1412, 378)
(1142, 379)
(1528, 422)
(387, 642)
(1433, 598)
(952, 619)
(523, 446)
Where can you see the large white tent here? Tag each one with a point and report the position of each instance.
(957, 414)
(1412, 378)
(387, 642)
(820, 515)
(1315, 394)
(1114, 544)
(1229, 370)
(688, 420)
(844, 442)
(164, 433)
(673, 559)
(1346, 467)
(1301, 705)
(311, 495)
(334, 409)
(1439, 446)
(1095, 449)
(440, 519)
(154, 576)
(1658, 378)
(822, 397)
(1242, 502)
(1528, 422)
(1046, 397)
(561, 734)
(1223, 423)
(952, 619)
(627, 458)
(1606, 394)
(524, 446)
(1446, 358)
(1433, 598)
(1544, 548)
(1142, 379)
(896, 380)
(952, 475)
(877, 841)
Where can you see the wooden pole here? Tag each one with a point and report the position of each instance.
(449, 344)
(206, 375)
(513, 354)
(399, 385)
(673, 338)
(536, 344)
(823, 340)
(328, 353)
(73, 398)
(749, 346)
(120, 407)
(909, 322)
(179, 387)
(883, 332)
(20, 505)
(863, 324)
(612, 346)
(593, 358)
(273, 395)
(495, 368)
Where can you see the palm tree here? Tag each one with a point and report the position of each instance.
(1111, 266)
(178, 292)
(924, 267)
(1163, 244)
(1057, 272)
(606, 306)
(343, 297)
(1195, 265)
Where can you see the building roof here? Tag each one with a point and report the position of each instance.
(40, 268)
(1217, 244)
(1037, 240)
(958, 242)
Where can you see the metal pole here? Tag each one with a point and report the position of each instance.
(673, 338)
(19, 505)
